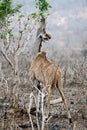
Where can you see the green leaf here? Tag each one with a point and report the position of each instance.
(6, 11)
(33, 15)
(21, 16)
(43, 8)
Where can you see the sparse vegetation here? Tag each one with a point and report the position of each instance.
(17, 31)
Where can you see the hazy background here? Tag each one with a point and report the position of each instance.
(67, 23)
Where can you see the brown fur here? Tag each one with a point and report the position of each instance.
(45, 71)
(49, 74)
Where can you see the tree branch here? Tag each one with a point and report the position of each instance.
(7, 59)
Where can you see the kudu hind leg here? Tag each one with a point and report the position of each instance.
(48, 102)
(65, 102)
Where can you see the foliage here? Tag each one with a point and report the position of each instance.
(6, 12)
(43, 7)
(7, 9)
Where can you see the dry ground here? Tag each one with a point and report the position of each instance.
(17, 119)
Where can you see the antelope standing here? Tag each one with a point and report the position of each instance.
(49, 75)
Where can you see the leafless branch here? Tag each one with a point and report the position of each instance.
(7, 59)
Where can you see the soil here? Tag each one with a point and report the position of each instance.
(17, 118)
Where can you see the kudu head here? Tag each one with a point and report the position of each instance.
(42, 34)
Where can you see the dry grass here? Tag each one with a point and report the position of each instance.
(18, 118)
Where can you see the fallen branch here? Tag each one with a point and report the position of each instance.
(55, 101)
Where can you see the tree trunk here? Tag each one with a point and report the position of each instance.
(41, 37)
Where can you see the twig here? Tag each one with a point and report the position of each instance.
(19, 41)
(31, 101)
(32, 96)
(38, 90)
(36, 113)
(31, 121)
(43, 115)
(7, 59)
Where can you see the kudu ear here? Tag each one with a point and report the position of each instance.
(46, 37)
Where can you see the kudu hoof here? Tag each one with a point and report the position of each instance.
(70, 120)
